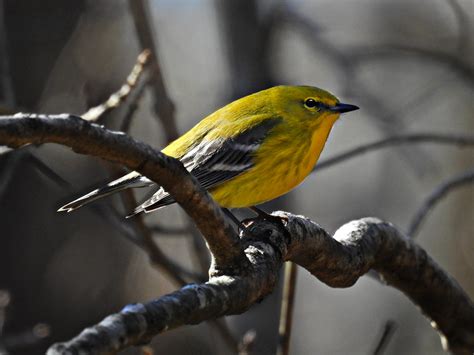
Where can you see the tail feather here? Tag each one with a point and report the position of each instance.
(158, 200)
(130, 180)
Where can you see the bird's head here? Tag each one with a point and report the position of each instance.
(309, 104)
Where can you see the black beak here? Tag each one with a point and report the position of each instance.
(341, 108)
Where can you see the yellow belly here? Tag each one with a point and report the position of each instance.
(280, 165)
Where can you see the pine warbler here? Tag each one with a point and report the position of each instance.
(252, 150)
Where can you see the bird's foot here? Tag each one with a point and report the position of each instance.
(268, 217)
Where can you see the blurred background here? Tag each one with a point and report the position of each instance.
(408, 65)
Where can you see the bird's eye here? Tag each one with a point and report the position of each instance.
(310, 103)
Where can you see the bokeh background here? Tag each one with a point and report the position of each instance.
(407, 64)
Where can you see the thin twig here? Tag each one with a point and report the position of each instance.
(463, 25)
(6, 175)
(133, 105)
(222, 328)
(7, 94)
(114, 100)
(13, 160)
(201, 252)
(4, 303)
(449, 139)
(287, 307)
(166, 231)
(435, 196)
(388, 330)
(247, 342)
(459, 66)
(164, 107)
(46, 170)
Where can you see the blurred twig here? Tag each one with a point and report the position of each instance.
(247, 342)
(114, 100)
(133, 106)
(463, 25)
(26, 338)
(169, 231)
(45, 170)
(201, 252)
(147, 350)
(15, 159)
(164, 107)
(463, 68)
(438, 193)
(388, 330)
(450, 139)
(4, 302)
(287, 307)
(7, 94)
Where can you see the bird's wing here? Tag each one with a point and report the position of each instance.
(213, 162)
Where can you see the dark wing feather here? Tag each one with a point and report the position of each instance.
(214, 162)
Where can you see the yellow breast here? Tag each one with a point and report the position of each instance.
(281, 163)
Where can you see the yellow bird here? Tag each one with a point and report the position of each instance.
(253, 150)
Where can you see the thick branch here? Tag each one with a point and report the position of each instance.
(88, 138)
(356, 247)
(370, 243)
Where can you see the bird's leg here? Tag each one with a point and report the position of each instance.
(234, 219)
(241, 225)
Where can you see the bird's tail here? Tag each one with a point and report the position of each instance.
(130, 180)
(158, 200)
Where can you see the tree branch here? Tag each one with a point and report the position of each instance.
(88, 138)
(338, 261)
(246, 269)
